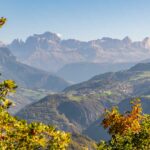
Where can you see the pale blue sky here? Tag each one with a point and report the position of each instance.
(79, 19)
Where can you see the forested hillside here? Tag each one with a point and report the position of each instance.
(79, 107)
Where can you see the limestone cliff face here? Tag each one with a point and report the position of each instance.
(49, 52)
(146, 43)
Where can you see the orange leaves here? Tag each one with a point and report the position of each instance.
(130, 131)
(124, 123)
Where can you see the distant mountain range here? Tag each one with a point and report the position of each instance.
(79, 108)
(49, 52)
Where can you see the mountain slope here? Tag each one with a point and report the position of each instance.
(24, 97)
(79, 107)
(33, 84)
(27, 76)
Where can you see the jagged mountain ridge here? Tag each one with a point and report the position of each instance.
(49, 52)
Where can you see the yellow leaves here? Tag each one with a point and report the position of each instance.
(16, 134)
(2, 21)
(10, 84)
(19, 135)
(6, 87)
(7, 103)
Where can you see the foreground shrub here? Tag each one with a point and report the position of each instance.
(129, 131)
(19, 135)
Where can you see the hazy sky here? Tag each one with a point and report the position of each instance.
(80, 19)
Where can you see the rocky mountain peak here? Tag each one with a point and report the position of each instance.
(48, 36)
(127, 40)
(146, 42)
(17, 42)
(72, 43)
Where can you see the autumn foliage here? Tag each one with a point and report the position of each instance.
(121, 124)
(17, 134)
(129, 131)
